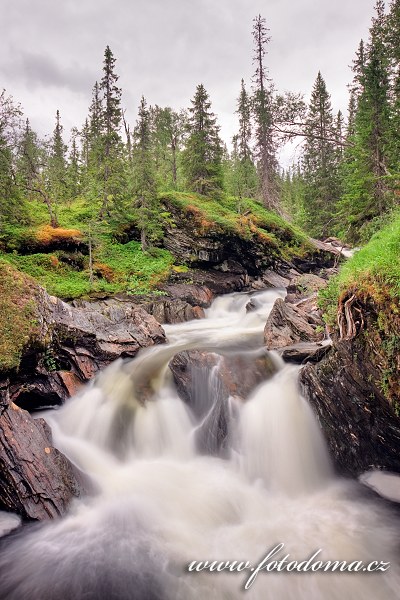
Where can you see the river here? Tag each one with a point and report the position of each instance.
(165, 493)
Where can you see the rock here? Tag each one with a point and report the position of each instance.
(173, 311)
(171, 308)
(360, 426)
(274, 279)
(36, 480)
(206, 382)
(251, 306)
(237, 375)
(304, 286)
(326, 247)
(74, 342)
(199, 287)
(192, 294)
(194, 240)
(230, 266)
(304, 352)
(355, 389)
(288, 324)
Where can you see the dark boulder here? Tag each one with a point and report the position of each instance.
(206, 382)
(355, 389)
(288, 324)
(36, 480)
(73, 343)
(304, 352)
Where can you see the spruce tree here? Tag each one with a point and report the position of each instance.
(146, 206)
(112, 171)
(263, 100)
(29, 160)
(167, 128)
(366, 194)
(320, 161)
(74, 167)
(393, 44)
(244, 182)
(57, 167)
(202, 157)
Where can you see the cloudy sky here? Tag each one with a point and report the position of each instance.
(52, 51)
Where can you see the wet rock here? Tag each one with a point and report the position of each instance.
(74, 342)
(207, 381)
(173, 311)
(199, 286)
(274, 280)
(361, 427)
(251, 306)
(238, 375)
(288, 324)
(304, 352)
(36, 480)
(192, 294)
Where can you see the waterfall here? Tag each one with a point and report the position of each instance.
(165, 491)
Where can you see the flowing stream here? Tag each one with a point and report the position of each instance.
(160, 500)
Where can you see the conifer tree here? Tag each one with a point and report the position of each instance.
(365, 171)
(202, 157)
(74, 167)
(243, 177)
(29, 160)
(146, 205)
(265, 147)
(57, 167)
(320, 161)
(111, 163)
(393, 44)
(167, 128)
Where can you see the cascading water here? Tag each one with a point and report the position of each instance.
(158, 501)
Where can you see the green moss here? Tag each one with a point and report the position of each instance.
(18, 313)
(245, 218)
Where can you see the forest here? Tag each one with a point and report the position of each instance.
(111, 176)
(200, 340)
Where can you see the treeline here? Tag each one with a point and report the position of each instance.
(346, 179)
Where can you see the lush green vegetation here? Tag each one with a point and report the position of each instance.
(58, 258)
(373, 273)
(348, 178)
(65, 209)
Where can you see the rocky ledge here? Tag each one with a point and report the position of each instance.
(354, 390)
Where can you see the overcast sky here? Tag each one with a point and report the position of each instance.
(51, 51)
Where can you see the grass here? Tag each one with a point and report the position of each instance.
(18, 315)
(126, 267)
(58, 257)
(373, 272)
(373, 275)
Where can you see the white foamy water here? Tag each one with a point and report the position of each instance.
(161, 503)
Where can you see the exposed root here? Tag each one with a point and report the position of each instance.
(349, 317)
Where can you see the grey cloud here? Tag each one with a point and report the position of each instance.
(36, 70)
(51, 52)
